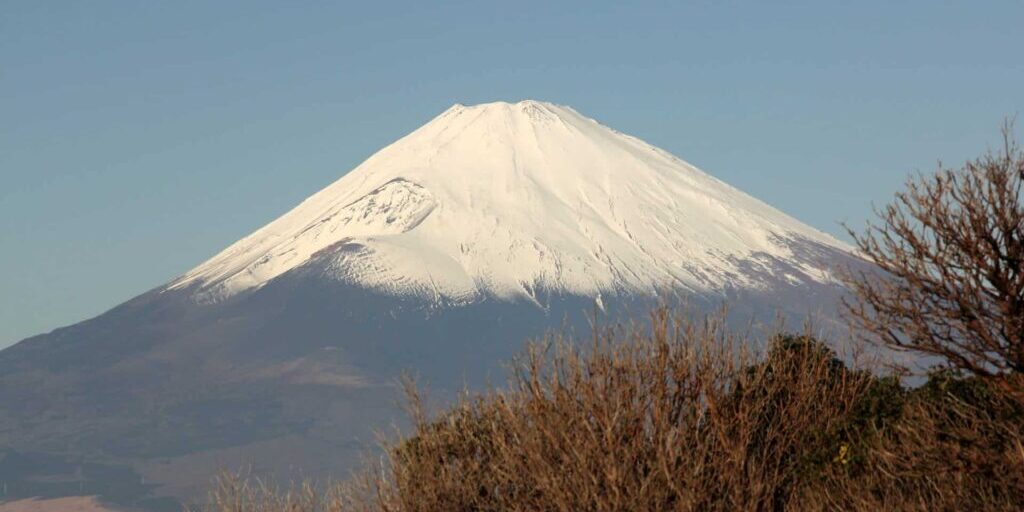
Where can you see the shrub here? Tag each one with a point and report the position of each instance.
(679, 416)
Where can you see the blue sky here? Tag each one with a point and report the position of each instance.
(139, 138)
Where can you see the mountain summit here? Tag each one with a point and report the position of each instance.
(438, 255)
(504, 200)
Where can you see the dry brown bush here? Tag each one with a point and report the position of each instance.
(680, 416)
(957, 444)
(675, 417)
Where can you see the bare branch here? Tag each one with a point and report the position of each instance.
(950, 248)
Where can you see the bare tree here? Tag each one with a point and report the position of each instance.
(951, 248)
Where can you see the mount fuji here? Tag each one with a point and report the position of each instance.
(508, 200)
(437, 255)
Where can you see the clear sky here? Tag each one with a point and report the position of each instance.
(139, 138)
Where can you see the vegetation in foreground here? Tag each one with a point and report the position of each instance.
(680, 416)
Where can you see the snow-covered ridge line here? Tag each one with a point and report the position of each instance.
(505, 199)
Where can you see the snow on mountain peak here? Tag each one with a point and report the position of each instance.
(511, 199)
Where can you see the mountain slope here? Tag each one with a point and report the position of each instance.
(437, 255)
(504, 199)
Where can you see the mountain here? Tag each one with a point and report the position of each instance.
(439, 254)
(502, 200)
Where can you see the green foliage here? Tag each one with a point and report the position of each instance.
(788, 346)
(874, 412)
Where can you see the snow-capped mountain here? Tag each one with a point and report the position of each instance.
(438, 255)
(502, 200)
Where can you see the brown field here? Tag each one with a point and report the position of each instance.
(71, 504)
